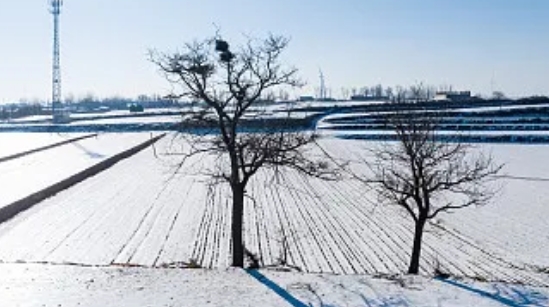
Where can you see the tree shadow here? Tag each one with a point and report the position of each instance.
(514, 296)
(389, 301)
(89, 153)
(276, 288)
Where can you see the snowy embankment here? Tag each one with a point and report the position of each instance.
(41, 285)
(140, 213)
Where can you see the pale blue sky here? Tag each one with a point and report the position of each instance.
(356, 42)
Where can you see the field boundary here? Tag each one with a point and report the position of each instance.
(11, 210)
(43, 148)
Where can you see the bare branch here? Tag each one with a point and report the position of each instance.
(229, 86)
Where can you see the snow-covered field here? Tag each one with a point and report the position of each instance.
(13, 143)
(130, 120)
(78, 248)
(139, 213)
(124, 112)
(29, 174)
(516, 221)
(329, 132)
(472, 110)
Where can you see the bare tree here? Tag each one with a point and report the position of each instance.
(498, 95)
(378, 90)
(389, 92)
(345, 93)
(365, 91)
(229, 86)
(426, 176)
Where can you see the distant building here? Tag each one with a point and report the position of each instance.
(453, 96)
(306, 98)
(136, 107)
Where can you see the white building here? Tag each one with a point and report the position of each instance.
(452, 96)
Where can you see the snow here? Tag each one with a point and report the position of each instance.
(29, 174)
(331, 227)
(122, 237)
(79, 247)
(42, 285)
(125, 112)
(29, 118)
(13, 143)
(346, 103)
(131, 120)
(329, 132)
(504, 107)
(516, 221)
(471, 110)
(51, 285)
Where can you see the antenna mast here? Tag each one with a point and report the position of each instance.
(322, 86)
(55, 10)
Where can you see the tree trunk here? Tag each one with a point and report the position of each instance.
(416, 249)
(236, 233)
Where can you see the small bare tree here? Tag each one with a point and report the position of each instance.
(426, 176)
(229, 86)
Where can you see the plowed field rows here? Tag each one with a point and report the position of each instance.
(140, 213)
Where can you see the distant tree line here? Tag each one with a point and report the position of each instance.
(87, 103)
(91, 103)
(20, 110)
(416, 93)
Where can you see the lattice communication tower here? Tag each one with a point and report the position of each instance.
(55, 10)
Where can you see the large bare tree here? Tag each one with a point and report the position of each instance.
(229, 86)
(427, 176)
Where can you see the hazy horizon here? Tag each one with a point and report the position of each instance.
(492, 45)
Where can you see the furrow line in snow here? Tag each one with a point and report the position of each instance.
(150, 211)
(339, 232)
(212, 247)
(493, 265)
(321, 236)
(382, 235)
(159, 224)
(174, 220)
(359, 230)
(44, 231)
(272, 211)
(206, 231)
(288, 231)
(308, 248)
(267, 227)
(371, 235)
(256, 219)
(74, 231)
(201, 239)
(392, 249)
(218, 229)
